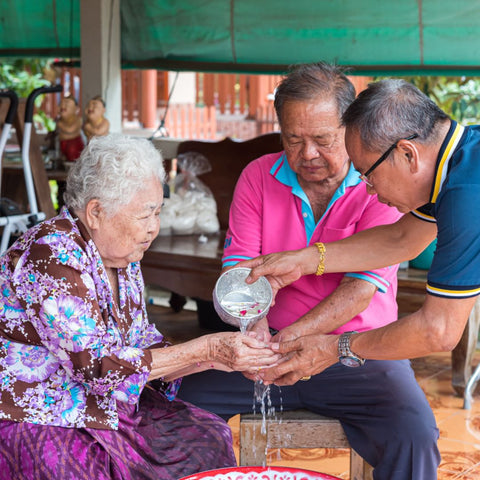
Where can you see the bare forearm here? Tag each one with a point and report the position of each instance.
(367, 250)
(221, 351)
(350, 298)
(380, 246)
(174, 361)
(436, 327)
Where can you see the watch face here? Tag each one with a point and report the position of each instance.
(350, 361)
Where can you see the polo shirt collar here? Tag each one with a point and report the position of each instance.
(282, 172)
(449, 145)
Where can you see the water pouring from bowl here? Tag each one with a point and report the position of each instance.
(243, 305)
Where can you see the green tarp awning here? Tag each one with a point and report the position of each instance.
(264, 36)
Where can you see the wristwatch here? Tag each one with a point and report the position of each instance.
(345, 355)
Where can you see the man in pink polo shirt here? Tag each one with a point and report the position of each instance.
(309, 194)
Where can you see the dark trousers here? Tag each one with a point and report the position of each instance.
(383, 410)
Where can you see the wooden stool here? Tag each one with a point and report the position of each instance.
(296, 429)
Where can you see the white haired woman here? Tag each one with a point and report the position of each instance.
(87, 385)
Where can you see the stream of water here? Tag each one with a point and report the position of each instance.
(246, 310)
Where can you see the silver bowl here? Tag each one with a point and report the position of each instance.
(238, 303)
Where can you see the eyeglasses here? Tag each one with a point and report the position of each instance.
(364, 176)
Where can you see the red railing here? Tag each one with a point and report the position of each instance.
(235, 94)
(188, 121)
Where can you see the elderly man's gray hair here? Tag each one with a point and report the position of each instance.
(392, 109)
(112, 169)
(307, 82)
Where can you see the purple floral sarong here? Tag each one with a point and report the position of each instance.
(162, 440)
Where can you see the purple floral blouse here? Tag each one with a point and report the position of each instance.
(68, 353)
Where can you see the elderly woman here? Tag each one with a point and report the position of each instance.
(87, 385)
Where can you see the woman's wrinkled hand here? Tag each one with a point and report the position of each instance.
(241, 352)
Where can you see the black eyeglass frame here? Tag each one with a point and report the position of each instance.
(364, 176)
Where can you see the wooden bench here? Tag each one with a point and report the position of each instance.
(295, 429)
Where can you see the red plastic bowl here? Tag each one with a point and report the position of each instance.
(260, 473)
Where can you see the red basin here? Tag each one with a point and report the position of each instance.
(260, 473)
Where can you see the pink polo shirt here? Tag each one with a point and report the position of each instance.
(271, 213)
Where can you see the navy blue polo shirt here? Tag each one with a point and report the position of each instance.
(455, 207)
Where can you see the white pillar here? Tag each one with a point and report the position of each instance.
(185, 88)
(100, 56)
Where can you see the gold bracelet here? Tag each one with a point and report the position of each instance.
(321, 261)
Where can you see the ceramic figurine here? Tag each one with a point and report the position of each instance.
(69, 128)
(95, 123)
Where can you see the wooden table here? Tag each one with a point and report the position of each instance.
(183, 265)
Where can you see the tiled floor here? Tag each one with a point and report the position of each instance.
(459, 429)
